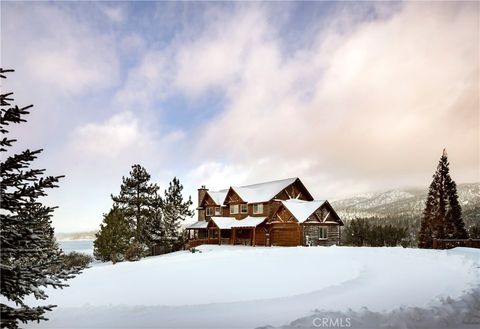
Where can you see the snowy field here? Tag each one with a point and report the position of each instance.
(245, 287)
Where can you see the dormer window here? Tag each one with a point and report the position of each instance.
(209, 211)
(233, 209)
(258, 208)
(244, 208)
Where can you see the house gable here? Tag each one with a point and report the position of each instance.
(282, 215)
(207, 201)
(232, 197)
(326, 214)
(295, 190)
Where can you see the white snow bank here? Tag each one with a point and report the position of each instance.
(463, 313)
(245, 287)
(217, 275)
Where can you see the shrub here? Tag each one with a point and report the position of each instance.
(76, 259)
(72, 260)
(136, 251)
(474, 232)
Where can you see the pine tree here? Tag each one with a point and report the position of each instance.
(454, 224)
(114, 237)
(175, 210)
(442, 217)
(154, 229)
(30, 257)
(137, 199)
(356, 232)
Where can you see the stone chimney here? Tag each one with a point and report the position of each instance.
(201, 194)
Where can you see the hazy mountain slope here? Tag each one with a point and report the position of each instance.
(408, 202)
(90, 235)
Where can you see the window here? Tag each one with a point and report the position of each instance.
(233, 209)
(209, 211)
(213, 234)
(218, 211)
(244, 208)
(258, 208)
(322, 233)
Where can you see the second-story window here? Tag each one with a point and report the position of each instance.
(218, 211)
(258, 208)
(244, 208)
(209, 211)
(233, 209)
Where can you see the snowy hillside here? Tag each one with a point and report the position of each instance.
(245, 287)
(410, 202)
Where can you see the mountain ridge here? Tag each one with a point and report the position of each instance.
(403, 202)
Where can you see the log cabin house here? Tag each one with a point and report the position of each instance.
(277, 213)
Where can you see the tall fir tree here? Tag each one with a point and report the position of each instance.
(154, 228)
(137, 200)
(175, 210)
(30, 258)
(442, 217)
(114, 237)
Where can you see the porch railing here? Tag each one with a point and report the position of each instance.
(452, 243)
(198, 242)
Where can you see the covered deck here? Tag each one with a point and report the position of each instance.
(228, 230)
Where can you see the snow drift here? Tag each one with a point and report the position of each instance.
(245, 287)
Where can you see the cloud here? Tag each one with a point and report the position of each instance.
(119, 134)
(115, 13)
(96, 157)
(124, 137)
(350, 97)
(57, 51)
(145, 83)
(374, 105)
(215, 59)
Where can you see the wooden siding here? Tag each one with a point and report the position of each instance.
(260, 236)
(285, 234)
(312, 231)
(333, 236)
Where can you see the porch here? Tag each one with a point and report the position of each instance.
(226, 230)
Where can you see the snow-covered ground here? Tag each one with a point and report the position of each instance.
(245, 287)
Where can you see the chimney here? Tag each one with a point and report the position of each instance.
(201, 194)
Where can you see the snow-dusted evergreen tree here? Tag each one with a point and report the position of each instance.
(175, 209)
(137, 199)
(114, 237)
(154, 228)
(442, 217)
(30, 257)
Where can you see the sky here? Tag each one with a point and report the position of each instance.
(351, 97)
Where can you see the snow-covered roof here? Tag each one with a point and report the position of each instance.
(218, 196)
(301, 209)
(226, 223)
(263, 191)
(197, 225)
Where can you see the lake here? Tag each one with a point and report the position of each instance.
(83, 246)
